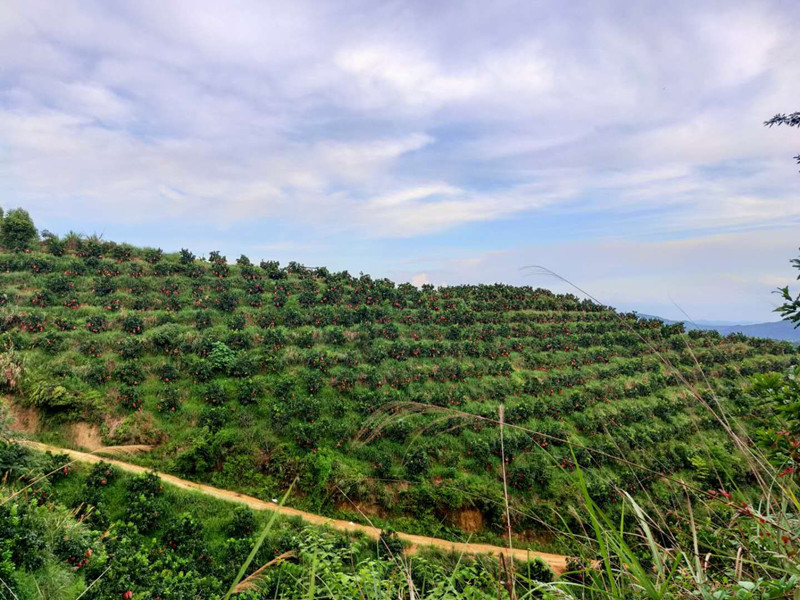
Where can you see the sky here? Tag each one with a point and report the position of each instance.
(617, 144)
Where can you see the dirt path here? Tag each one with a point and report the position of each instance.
(557, 562)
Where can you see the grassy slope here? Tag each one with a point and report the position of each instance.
(298, 383)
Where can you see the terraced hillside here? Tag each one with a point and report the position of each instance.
(382, 399)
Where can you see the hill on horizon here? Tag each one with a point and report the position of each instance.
(773, 330)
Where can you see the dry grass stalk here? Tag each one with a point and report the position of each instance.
(117, 450)
(252, 581)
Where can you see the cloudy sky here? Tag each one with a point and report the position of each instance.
(619, 144)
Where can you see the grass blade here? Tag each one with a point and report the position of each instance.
(258, 543)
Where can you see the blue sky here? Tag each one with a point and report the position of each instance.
(619, 144)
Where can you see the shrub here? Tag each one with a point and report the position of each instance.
(122, 252)
(130, 348)
(167, 339)
(129, 373)
(168, 373)
(227, 302)
(64, 324)
(237, 322)
(32, 322)
(143, 499)
(214, 394)
(239, 340)
(101, 474)
(130, 399)
(55, 245)
(248, 391)
(221, 357)
(214, 418)
(186, 257)
(243, 365)
(168, 400)
(202, 319)
(59, 284)
(98, 373)
(242, 523)
(103, 286)
(390, 545)
(97, 324)
(200, 369)
(152, 255)
(417, 463)
(185, 534)
(133, 324)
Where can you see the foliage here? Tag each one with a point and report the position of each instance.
(17, 230)
(249, 375)
(790, 309)
(790, 120)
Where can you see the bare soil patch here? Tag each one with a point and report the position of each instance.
(85, 435)
(23, 420)
(468, 519)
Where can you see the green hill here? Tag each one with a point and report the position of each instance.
(380, 398)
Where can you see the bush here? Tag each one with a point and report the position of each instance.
(133, 324)
(143, 499)
(186, 535)
(214, 394)
(242, 523)
(130, 398)
(129, 373)
(129, 348)
(214, 418)
(221, 357)
(237, 322)
(168, 400)
(152, 255)
(55, 245)
(97, 324)
(101, 474)
(168, 373)
(390, 545)
(248, 391)
(186, 257)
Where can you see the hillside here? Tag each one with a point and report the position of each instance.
(381, 399)
(94, 531)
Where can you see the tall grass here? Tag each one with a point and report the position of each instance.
(642, 555)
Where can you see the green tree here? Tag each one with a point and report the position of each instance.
(790, 309)
(18, 230)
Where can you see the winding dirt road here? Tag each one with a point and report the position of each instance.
(557, 562)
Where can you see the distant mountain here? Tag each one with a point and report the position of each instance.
(777, 330)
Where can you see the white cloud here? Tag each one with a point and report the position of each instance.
(403, 197)
(419, 279)
(722, 277)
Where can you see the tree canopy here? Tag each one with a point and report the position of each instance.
(18, 231)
